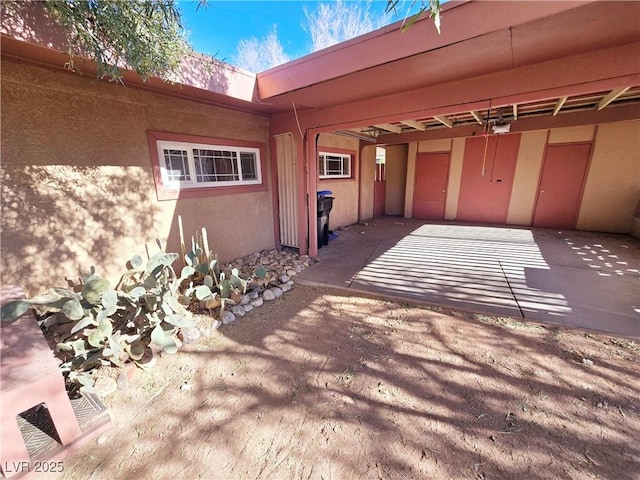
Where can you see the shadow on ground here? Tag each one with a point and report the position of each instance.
(321, 384)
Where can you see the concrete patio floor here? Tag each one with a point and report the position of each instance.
(578, 279)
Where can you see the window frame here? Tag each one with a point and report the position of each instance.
(171, 190)
(347, 155)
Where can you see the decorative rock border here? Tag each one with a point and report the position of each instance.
(281, 266)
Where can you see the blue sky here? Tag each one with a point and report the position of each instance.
(217, 29)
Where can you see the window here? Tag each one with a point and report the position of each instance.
(334, 165)
(191, 165)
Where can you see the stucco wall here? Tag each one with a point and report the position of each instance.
(77, 185)
(367, 177)
(396, 175)
(525, 181)
(612, 188)
(455, 177)
(345, 191)
(412, 153)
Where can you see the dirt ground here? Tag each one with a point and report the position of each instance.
(321, 385)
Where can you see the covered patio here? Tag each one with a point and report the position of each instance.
(571, 278)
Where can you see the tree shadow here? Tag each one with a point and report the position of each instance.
(358, 388)
(58, 219)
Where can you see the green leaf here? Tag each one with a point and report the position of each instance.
(105, 327)
(150, 282)
(261, 272)
(85, 322)
(187, 272)
(202, 268)
(175, 305)
(135, 350)
(137, 292)
(166, 342)
(96, 338)
(208, 281)
(136, 261)
(161, 259)
(408, 23)
(73, 310)
(180, 321)
(11, 311)
(93, 289)
(202, 292)
(110, 299)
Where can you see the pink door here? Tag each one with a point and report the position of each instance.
(429, 194)
(560, 189)
(487, 178)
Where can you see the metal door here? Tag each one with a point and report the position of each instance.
(430, 191)
(561, 184)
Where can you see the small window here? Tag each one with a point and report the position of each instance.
(190, 165)
(334, 165)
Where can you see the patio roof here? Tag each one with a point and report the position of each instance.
(494, 61)
(541, 63)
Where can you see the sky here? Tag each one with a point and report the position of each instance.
(217, 29)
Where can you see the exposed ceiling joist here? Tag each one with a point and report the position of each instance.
(613, 94)
(415, 124)
(388, 127)
(515, 111)
(351, 133)
(444, 120)
(559, 105)
(478, 116)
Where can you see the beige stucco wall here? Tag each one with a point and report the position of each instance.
(525, 181)
(612, 189)
(455, 177)
(77, 185)
(396, 178)
(345, 191)
(412, 152)
(582, 133)
(367, 177)
(442, 145)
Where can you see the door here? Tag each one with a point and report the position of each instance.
(379, 191)
(430, 190)
(560, 189)
(488, 169)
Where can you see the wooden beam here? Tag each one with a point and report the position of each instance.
(515, 111)
(613, 94)
(559, 105)
(444, 120)
(524, 124)
(415, 124)
(389, 128)
(477, 116)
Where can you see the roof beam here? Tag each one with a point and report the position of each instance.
(444, 120)
(515, 111)
(477, 116)
(389, 128)
(613, 94)
(559, 105)
(415, 124)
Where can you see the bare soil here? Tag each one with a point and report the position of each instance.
(319, 384)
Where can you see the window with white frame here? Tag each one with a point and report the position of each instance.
(192, 165)
(334, 165)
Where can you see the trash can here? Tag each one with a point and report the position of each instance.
(325, 204)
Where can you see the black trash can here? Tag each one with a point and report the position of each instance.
(325, 204)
